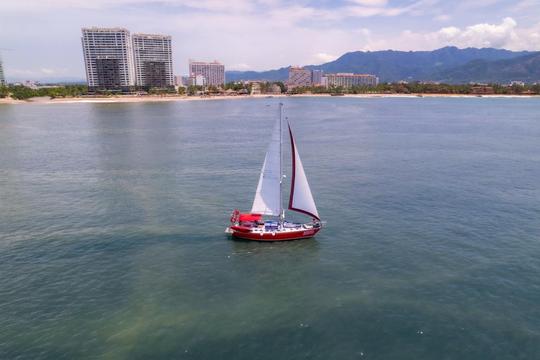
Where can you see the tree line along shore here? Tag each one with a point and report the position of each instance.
(21, 92)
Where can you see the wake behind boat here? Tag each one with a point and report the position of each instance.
(268, 198)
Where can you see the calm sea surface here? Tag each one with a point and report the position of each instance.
(112, 242)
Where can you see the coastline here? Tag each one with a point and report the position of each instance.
(150, 98)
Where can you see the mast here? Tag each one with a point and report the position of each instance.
(281, 210)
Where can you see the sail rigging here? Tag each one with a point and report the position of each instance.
(301, 199)
(268, 195)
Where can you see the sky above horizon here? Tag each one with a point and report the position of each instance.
(40, 39)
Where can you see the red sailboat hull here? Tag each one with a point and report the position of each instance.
(245, 233)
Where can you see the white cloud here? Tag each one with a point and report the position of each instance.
(505, 34)
(449, 33)
(321, 58)
(482, 35)
(442, 17)
(369, 11)
(47, 71)
(370, 2)
(239, 67)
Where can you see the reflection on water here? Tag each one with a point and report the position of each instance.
(112, 242)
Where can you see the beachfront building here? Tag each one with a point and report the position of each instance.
(152, 55)
(2, 78)
(108, 58)
(274, 89)
(316, 77)
(298, 76)
(324, 81)
(348, 80)
(179, 80)
(197, 80)
(212, 72)
(256, 88)
(482, 89)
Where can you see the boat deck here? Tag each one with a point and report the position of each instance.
(266, 233)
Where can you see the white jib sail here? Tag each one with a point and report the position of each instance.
(301, 199)
(268, 197)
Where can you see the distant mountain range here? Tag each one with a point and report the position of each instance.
(448, 64)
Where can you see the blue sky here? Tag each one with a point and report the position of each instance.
(41, 38)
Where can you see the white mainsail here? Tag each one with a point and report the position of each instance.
(300, 199)
(268, 196)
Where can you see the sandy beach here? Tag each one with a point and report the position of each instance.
(140, 99)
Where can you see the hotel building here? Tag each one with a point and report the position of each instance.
(316, 77)
(298, 76)
(348, 80)
(2, 78)
(108, 58)
(152, 56)
(206, 73)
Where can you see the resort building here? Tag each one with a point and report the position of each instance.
(212, 72)
(482, 89)
(152, 56)
(180, 80)
(197, 80)
(255, 88)
(517, 83)
(324, 81)
(316, 77)
(274, 89)
(348, 80)
(2, 78)
(108, 58)
(298, 76)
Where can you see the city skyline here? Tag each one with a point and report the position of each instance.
(259, 35)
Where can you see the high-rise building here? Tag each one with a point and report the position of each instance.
(316, 77)
(108, 58)
(324, 81)
(152, 56)
(348, 80)
(298, 76)
(213, 72)
(2, 78)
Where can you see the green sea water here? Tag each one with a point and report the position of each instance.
(112, 241)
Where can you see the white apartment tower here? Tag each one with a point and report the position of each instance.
(108, 58)
(153, 60)
(213, 72)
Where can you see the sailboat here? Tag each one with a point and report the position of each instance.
(268, 198)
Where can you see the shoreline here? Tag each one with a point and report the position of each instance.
(150, 98)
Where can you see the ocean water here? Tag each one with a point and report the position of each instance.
(112, 241)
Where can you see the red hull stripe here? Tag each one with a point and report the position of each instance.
(293, 152)
(293, 235)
